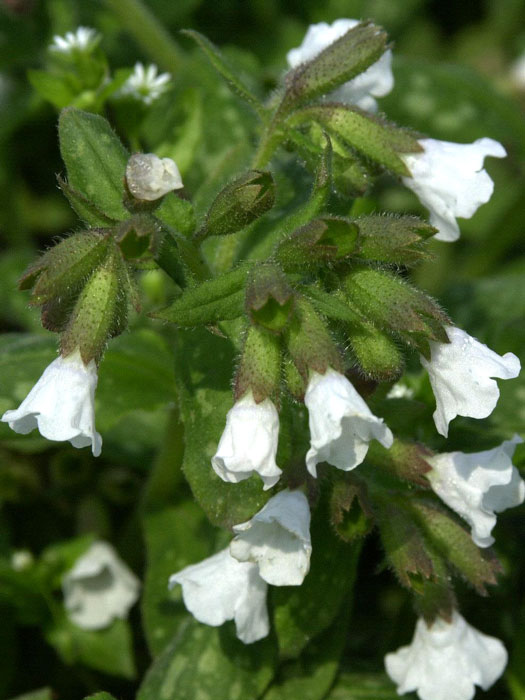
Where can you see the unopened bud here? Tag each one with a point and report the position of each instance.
(149, 177)
(394, 239)
(376, 352)
(242, 201)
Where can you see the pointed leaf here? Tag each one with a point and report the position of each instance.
(85, 209)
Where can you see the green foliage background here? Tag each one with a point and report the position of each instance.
(453, 82)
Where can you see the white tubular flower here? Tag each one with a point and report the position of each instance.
(99, 588)
(446, 661)
(145, 84)
(277, 539)
(84, 39)
(341, 424)
(61, 404)
(150, 177)
(376, 81)
(478, 485)
(449, 180)
(249, 442)
(460, 374)
(220, 588)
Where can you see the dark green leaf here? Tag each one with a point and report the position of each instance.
(42, 694)
(95, 160)
(85, 209)
(363, 686)
(177, 213)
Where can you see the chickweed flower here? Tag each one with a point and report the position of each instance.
(376, 81)
(478, 485)
(450, 181)
(83, 39)
(277, 539)
(249, 442)
(341, 424)
(149, 177)
(221, 588)
(461, 374)
(446, 660)
(146, 84)
(61, 404)
(99, 588)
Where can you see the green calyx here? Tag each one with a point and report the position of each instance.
(269, 298)
(260, 365)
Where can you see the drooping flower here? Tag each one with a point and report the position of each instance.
(450, 181)
(145, 84)
(221, 588)
(478, 485)
(460, 374)
(99, 588)
(249, 442)
(446, 661)
(341, 424)
(149, 177)
(277, 539)
(83, 39)
(376, 81)
(61, 404)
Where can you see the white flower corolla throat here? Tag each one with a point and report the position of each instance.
(461, 374)
(61, 404)
(248, 444)
(445, 661)
(478, 485)
(99, 588)
(341, 424)
(149, 177)
(220, 588)
(277, 539)
(376, 81)
(449, 180)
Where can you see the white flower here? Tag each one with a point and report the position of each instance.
(84, 39)
(517, 72)
(249, 442)
(460, 374)
(450, 181)
(341, 424)
(22, 559)
(61, 404)
(99, 588)
(400, 391)
(150, 177)
(220, 588)
(145, 84)
(446, 661)
(277, 539)
(478, 485)
(376, 81)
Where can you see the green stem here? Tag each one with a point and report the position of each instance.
(149, 33)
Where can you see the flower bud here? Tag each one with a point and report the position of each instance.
(394, 239)
(376, 352)
(242, 201)
(269, 298)
(149, 177)
(328, 239)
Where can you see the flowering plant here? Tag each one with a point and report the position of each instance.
(264, 327)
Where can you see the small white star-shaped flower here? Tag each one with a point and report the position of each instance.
(277, 539)
(83, 39)
(461, 372)
(146, 84)
(446, 661)
(450, 181)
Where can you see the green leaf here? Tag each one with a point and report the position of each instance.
(135, 373)
(109, 650)
(53, 88)
(341, 61)
(95, 160)
(301, 613)
(177, 213)
(363, 686)
(100, 696)
(204, 366)
(42, 694)
(311, 676)
(218, 62)
(365, 133)
(217, 299)
(85, 209)
(333, 305)
(209, 663)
